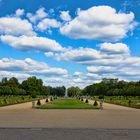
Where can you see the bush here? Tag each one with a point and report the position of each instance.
(5, 101)
(38, 102)
(95, 103)
(46, 101)
(129, 102)
(86, 101)
(51, 99)
(33, 96)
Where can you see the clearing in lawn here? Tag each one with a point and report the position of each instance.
(67, 104)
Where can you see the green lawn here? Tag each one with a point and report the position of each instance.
(66, 104)
(124, 101)
(11, 100)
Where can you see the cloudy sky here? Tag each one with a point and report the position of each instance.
(71, 43)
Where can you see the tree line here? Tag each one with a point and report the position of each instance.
(108, 87)
(31, 86)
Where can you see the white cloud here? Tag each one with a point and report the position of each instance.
(31, 43)
(8, 74)
(39, 15)
(15, 26)
(77, 74)
(19, 12)
(49, 54)
(117, 48)
(78, 55)
(30, 67)
(100, 69)
(65, 16)
(100, 23)
(47, 24)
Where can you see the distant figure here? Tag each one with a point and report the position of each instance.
(33, 104)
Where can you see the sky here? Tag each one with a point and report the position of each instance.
(70, 43)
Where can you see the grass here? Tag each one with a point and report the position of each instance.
(11, 100)
(124, 101)
(66, 104)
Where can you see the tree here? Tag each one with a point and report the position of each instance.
(33, 85)
(13, 82)
(74, 91)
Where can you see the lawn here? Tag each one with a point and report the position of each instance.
(66, 104)
(124, 101)
(11, 100)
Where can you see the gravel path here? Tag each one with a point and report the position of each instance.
(112, 116)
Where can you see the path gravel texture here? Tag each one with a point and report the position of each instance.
(111, 117)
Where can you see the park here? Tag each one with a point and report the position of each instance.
(70, 70)
(66, 111)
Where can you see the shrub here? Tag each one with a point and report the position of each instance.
(5, 101)
(38, 102)
(95, 103)
(46, 101)
(129, 102)
(33, 96)
(51, 99)
(86, 101)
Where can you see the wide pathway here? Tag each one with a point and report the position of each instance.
(112, 116)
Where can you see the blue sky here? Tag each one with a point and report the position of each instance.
(70, 42)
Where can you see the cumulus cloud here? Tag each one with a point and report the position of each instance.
(100, 23)
(65, 16)
(15, 26)
(109, 60)
(118, 71)
(117, 48)
(30, 67)
(39, 15)
(78, 55)
(47, 24)
(19, 12)
(8, 74)
(31, 43)
(100, 69)
(105, 54)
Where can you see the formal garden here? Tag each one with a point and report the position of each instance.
(32, 89)
(67, 103)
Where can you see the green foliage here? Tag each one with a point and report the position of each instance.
(86, 101)
(74, 91)
(95, 103)
(47, 101)
(66, 104)
(10, 99)
(38, 102)
(131, 101)
(33, 85)
(51, 98)
(113, 87)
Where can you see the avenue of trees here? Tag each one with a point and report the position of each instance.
(34, 86)
(107, 87)
(113, 87)
(31, 86)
